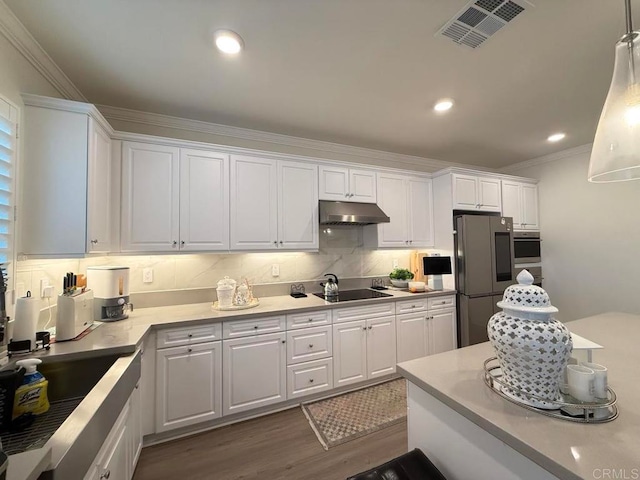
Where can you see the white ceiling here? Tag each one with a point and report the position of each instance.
(357, 72)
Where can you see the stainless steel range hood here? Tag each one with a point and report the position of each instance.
(351, 213)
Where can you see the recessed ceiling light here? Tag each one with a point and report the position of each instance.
(228, 41)
(556, 137)
(443, 105)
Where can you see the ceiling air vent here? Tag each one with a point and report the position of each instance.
(480, 19)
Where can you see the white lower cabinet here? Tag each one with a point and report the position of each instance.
(188, 385)
(254, 372)
(310, 377)
(427, 332)
(363, 350)
(119, 453)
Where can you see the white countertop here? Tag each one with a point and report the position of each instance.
(123, 336)
(567, 450)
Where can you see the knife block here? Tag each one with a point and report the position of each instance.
(75, 315)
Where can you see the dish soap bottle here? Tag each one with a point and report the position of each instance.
(31, 396)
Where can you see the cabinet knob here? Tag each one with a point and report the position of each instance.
(255, 327)
(106, 474)
(413, 306)
(311, 380)
(364, 328)
(182, 243)
(311, 345)
(275, 242)
(370, 327)
(346, 195)
(311, 319)
(352, 194)
(190, 335)
(94, 242)
(410, 242)
(284, 341)
(281, 242)
(175, 243)
(189, 350)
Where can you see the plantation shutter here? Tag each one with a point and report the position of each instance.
(8, 145)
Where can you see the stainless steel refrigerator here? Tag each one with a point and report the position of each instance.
(484, 268)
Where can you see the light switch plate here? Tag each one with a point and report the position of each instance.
(275, 270)
(147, 275)
(395, 263)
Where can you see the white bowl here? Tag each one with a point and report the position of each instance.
(400, 283)
(417, 286)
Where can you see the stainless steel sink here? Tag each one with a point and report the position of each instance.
(86, 397)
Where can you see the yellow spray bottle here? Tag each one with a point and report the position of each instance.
(31, 396)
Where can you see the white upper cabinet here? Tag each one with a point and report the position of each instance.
(204, 200)
(274, 204)
(150, 197)
(408, 202)
(347, 184)
(66, 177)
(174, 199)
(520, 201)
(298, 222)
(472, 192)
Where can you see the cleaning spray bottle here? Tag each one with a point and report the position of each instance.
(31, 396)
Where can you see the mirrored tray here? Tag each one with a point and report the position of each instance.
(254, 303)
(570, 409)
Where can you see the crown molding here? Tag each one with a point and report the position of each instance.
(159, 120)
(30, 49)
(67, 106)
(552, 157)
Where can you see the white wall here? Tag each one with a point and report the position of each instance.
(591, 239)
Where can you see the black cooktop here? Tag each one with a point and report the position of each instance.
(347, 295)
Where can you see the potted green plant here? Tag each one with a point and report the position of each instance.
(400, 277)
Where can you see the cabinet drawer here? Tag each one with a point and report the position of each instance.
(308, 344)
(243, 328)
(309, 319)
(440, 303)
(364, 312)
(310, 377)
(174, 337)
(411, 306)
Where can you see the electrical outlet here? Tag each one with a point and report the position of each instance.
(20, 289)
(44, 283)
(395, 263)
(275, 270)
(48, 291)
(147, 275)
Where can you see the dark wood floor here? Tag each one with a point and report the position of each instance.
(281, 446)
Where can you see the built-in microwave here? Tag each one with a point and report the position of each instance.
(526, 247)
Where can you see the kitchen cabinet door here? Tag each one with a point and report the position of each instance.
(412, 336)
(150, 197)
(334, 183)
(489, 196)
(465, 192)
(254, 203)
(381, 347)
(392, 199)
(298, 223)
(442, 331)
(254, 372)
(134, 427)
(512, 202)
(99, 190)
(188, 385)
(420, 211)
(349, 353)
(530, 219)
(113, 459)
(204, 200)
(362, 186)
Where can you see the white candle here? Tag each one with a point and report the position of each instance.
(581, 381)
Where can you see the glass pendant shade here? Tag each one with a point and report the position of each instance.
(615, 156)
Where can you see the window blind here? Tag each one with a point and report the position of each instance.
(8, 143)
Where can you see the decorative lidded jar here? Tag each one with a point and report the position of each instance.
(533, 348)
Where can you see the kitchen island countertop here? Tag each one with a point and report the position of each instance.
(566, 450)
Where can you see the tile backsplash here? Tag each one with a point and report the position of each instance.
(341, 252)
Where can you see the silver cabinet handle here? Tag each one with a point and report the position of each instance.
(94, 242)
(346, 195)
(311, 319)
(311, 380)
(311, 345)
(364, 328)
(352, 194)
(410, 242)
(106, 474)
(370, 327)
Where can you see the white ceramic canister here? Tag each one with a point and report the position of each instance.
(225, 295)
(532, 347)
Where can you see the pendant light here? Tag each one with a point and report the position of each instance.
(615, 156)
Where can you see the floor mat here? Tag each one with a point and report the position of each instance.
(352, 415)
